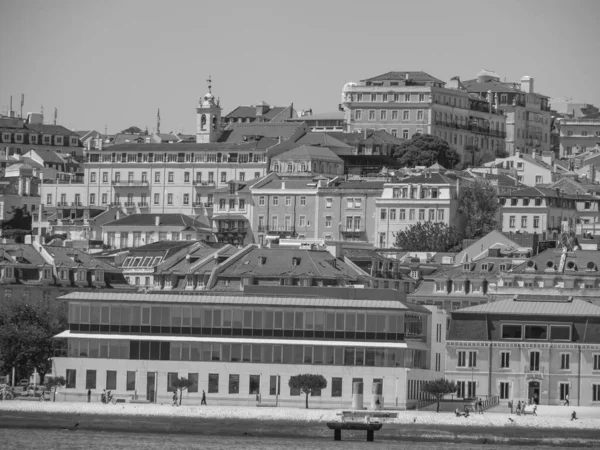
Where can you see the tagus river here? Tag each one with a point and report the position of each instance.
(20, 438)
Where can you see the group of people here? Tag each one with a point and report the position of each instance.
(176, 398)
(521, 408)
(478, 409)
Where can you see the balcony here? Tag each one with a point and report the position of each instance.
(117, 204)
(198, 205)
(62, 204)
(77, 204)
(534, 374)
(204, 183)
(143, 205)
(360, 228)
(276, 228)
(129, 204)
(129, 183)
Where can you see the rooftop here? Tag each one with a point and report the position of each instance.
(417, 76)
(308, 153)
(524, 305)
(71, 257)
(149, 220)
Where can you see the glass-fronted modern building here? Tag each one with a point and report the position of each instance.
(243, 348)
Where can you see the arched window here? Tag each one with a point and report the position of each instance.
(290, 167)
(214, 123)
(203, 122)
(322, 167)
(304, 167)
(276, 167)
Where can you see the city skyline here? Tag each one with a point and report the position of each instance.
(108, 66)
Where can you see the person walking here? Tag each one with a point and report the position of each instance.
(510, 405)
(519, 408)
(174, 398)
(203, 402)
(89, 396)
(480, 405)
(567, 400)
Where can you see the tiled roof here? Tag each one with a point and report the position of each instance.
(488, 268)
(70, 257)
(494, 86)
(50, 129)
(544, 306)
(318, 264)
(231, 299)
(147, 220)
(244, 112)
(537, 192)
(318, 138)
(49, 156)
(576, 263)
(355, 184)
(21, 254)
(413, 76)
(431, 178)
(291, 183)
(309, 152)
(285, 130)
(335, 115)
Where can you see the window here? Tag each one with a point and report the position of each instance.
(534, 361)
(261, 201)
(596, 362)
(274, 385)
(302, 221)
(336, 387)
(327, 221)
(511, 221)
(584, 133)
(358, 114)
(92, 177)
(421, 98)
(169, 199)
(407, 97)
(536, 332)
(383, 214)
(565, 361)
(157, 177)
(234, 384)
(440, 215)
(48, 199)
(523, 221)
(402, 214)
(538, 179)
(254, 384)
(90, 379)
(156, 199)
(467, 358)
(596, 392)
(563, 391)
(536, 221)
(504, 390)
(405, 114)
(288, 201)
(171, 378)
(404, 134)
(186, 199)
(275, 200)
(560, 332)
(71, 378)
(223, 177)
(395, 114)
(383, 114)
(111, 380)
(392, 214)
(328, 202)
(504, 360)
(512, 331)
(371, 114)
(420, 115)
(193, 377)
(421, 214)
(373, 97)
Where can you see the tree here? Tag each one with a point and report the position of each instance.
(54, 382)
(428, 237)
(181, 384)
(438, 388)
(479, 206)
(426, 150)
(308, 384)
(501, 153)
(26, 335)
(20, 220)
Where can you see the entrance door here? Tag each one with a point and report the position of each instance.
(534, 392)
(150, 386)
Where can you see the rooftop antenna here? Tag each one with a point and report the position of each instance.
(10, 108)
(158, 121)
(22, 103)
(55, 115)
(42, 109)
(105, 130)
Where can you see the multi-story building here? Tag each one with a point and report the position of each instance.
(431, 196)
(328, 122)
(307, 160)
(32, 272)
(538, 210)
(141, 229)
(242, 349)
(528, 118)
(409, 103)
(233, 212)
(18, 189)
(578, 135)
(533, 169)
(530, 348)
(19, 136)
(262, 112)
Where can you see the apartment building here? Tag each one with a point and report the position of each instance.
(409, 103)
(532, 348)
(528, 118)
(431, 196)
(538, 210)
(534, 169)
(578, 135)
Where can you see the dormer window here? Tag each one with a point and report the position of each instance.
(63, 274)
(295, 261)
(262, 260)
(47, 274)
(467, 267)
(8, 272)
(458, 286)
(484, 267)
(33, 139)
(58, 140)
(81, 275)
(441, 286)
(571, 266)
(99, 275)
(74, 141)
(414, 274)
(47, 140)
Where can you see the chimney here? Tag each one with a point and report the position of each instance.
(534, 154)
(20, 187)
(282, 185)
(27, 186)
(517, 153)
(527, 84)
(118, 215)
(157, 221)
(489, 99)
(100, 143)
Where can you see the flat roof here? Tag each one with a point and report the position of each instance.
(236, 300)
(225, 340)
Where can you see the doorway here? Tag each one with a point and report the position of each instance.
(534, 392)
(150, 386)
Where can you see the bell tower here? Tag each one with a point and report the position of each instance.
(208, 117)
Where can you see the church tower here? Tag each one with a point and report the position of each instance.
(208, 118)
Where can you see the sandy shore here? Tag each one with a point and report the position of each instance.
(552, 429)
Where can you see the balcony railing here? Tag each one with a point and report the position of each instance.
(115, 204)
(204, 183)
(129, 204)
(198, 204)
(143, 204)
(62, 204)
(276, 228)
(131, 183)
(531, 374)
(76, 204)
(352, 228)
(470, 127)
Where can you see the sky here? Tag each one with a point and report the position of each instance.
(114, 63)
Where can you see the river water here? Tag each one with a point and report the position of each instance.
(19, 438)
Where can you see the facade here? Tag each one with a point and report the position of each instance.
(431, 196)
(141, 229)
(20, 191)
(533, 169)
(323, 122)
(409, 103)
(538, 210)
(260, 113)
(242, 349)
(528, 117)
(578, 135)
(233, 212)
(307, 160)
(528, 348)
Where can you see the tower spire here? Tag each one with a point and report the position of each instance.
(209, 81)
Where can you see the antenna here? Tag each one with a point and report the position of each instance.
(55, 115)
(158, 121)
(22, 103)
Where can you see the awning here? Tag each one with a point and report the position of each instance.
(225, 340)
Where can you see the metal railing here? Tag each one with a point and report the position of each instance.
(120, 183)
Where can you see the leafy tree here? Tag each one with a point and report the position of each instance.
(55, 382)
(479, 206)
(426, 150)
(50, 237)
(428, 237)
(181, 384)
(20, 220)
(501, 153)
(308, 383)
(438, 388)
(26, 335)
